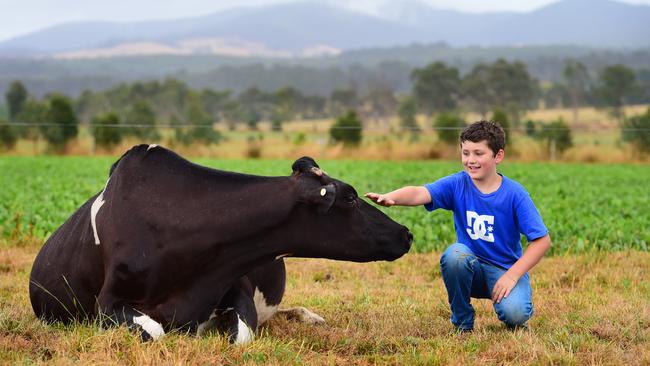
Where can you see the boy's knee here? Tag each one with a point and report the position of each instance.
(514, 314)
(457, 255)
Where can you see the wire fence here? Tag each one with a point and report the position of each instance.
(308, 128)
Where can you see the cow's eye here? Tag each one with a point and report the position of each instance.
(351, 199)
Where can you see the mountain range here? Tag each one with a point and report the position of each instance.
(309, 28)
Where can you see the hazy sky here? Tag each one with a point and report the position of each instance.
(24, 16)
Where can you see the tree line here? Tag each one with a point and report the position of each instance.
(505, 89)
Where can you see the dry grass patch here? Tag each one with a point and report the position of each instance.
(589, 309)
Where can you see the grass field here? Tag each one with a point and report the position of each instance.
(591, 295)
(589, 309)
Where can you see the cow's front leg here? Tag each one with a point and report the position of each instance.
(119, 313)
(235, 315)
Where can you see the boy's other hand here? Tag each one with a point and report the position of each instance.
(380, 199)
(503, 287)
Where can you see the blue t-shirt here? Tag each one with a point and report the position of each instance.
(489, 224)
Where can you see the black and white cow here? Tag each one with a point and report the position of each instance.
(169, 244)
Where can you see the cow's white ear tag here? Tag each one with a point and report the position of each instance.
(323, 192)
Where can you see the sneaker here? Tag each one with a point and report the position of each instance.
(523, 327)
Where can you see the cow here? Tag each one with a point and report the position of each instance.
(169, 244)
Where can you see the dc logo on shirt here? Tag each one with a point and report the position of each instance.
(480, 226)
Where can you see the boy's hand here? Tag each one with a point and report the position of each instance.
(380, 199)
(503, 287)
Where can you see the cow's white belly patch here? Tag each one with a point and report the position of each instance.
(244, 333)
(150, 326)
(264, 310)
(97, 204)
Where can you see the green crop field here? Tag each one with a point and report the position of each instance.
(592, 306)
(586, 207)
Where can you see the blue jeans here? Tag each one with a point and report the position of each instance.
(466, 276)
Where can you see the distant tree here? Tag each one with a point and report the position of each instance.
(477, 91)
(407, 112)
(314, 106)
(287, 101)
(436, 88)
(381, 101)
(342, 100)
(616, 83)
(254, 105)
(195, 114)
(448, 126)
(277, 119)
(252, 118)
(145, 90)
(32, 114)
(214, 102)
(576, 78)
(61, 124)
(513, 88)
(531, 130)
(643, 83)
(106, 131)
(7, 136)
(233, 112)
(501, 85)
(636, 131)
(500, 116)
(557, 96)
(84, 105)
(171, 98)
(203, 129)
(16, 97)
(347, 129)
(556, 136)
(252, 96)
(199, 124)
(141, 122)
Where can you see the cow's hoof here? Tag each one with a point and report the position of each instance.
(149, 329)
(303, 315)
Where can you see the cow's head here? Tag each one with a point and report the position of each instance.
(334, 222)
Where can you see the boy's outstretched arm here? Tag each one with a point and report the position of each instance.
(536, 250)
(405, 196)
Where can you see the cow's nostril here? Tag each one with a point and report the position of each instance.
(409, 237)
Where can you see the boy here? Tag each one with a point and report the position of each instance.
(490, 212)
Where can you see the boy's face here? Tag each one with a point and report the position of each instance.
(478, 159)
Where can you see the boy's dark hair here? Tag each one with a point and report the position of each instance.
(490, 131)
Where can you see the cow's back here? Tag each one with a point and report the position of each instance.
(68, 271)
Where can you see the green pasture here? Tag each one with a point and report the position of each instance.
(586, 207)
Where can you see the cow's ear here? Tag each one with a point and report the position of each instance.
(306, 165)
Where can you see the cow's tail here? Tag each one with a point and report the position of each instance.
(137, 148)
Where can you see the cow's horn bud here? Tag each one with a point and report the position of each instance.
(323, 192)
(317, 171)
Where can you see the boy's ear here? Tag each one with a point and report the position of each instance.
(498, 157)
